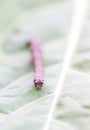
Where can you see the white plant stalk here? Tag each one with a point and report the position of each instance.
(77, 25)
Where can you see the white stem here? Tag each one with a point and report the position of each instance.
(77, 24)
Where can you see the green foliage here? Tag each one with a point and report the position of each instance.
(22, 107)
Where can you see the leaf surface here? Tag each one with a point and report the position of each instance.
(21, 106)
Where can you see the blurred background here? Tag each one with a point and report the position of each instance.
(10, 9)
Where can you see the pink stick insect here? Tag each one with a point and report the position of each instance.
(37, 62)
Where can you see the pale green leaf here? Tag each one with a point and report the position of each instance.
(22, 107)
